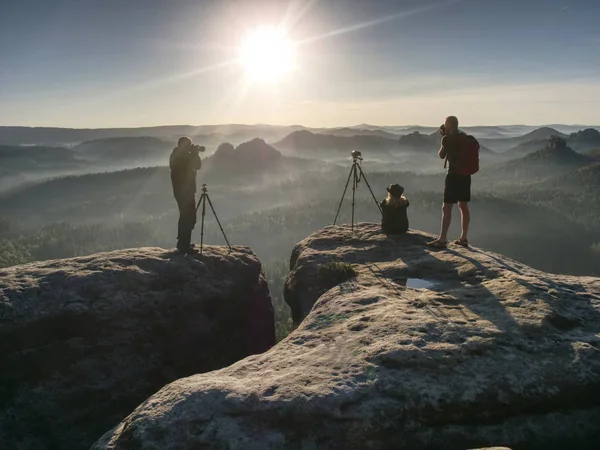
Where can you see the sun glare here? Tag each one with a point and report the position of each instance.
(266, 54)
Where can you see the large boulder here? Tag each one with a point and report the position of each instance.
(399, 346)
(83, 341)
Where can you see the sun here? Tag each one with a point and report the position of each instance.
(266, 54)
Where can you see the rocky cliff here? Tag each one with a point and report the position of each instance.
(83, 341)
(399, 346)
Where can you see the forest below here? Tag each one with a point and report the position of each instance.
(542, 209)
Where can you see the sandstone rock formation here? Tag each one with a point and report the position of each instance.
(491, 353)
(83, 341)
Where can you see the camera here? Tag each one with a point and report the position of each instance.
(442, 129)
(356, 154)
(197, 148)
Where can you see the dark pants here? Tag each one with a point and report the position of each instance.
(187, 220)
(457, 188)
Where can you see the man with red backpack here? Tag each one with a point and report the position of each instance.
(461, 152)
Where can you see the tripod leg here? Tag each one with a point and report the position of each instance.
(369, 186)
(343, 195)
(354, 183)
(215, 214)
(203, 198)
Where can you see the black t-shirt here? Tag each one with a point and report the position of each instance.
(394, 217)
(452, 143)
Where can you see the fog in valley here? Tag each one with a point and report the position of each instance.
(536, 198)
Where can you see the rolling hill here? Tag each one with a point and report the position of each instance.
(573, 193)
(28, 158)
(429, 143)
(255, 156)
(132, 150)
(147, 192)
(73, 136)
(306, 143)
(24, 164)
(594, 153)
(504, 144)
(419, 142)
(583, 140)
(350, 132)
(526, 147)
(580, 180)
(555, 158)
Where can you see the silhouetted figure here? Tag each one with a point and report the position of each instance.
(184, 163)
(457, 186)
(394, 218)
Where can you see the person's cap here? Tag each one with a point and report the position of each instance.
(395, 189)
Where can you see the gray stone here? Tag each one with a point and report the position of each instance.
(493, 353)
(83, 341)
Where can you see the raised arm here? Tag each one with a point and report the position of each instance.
(196, 162)
(443, 153)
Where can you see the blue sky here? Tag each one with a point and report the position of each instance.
(113, 63)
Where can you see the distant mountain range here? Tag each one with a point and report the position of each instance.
(311, 144)
(504, 144)
(124, 149)
(555, 158)
(249, 157)
(429, 143)
(238, 133)
(583, 140)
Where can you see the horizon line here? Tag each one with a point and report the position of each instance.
(293, 125)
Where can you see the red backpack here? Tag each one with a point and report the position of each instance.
(468, 160)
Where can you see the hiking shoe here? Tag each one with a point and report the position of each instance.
(188, 250)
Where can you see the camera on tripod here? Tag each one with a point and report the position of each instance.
(356, 155)
(356, 175)
(203, 199)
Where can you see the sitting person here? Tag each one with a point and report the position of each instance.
(394, 218)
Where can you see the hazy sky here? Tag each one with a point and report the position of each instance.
(115, 63)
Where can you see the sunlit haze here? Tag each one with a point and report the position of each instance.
(114, 63)
(266, 54)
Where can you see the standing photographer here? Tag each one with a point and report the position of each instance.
(184, 163)
(457, 187)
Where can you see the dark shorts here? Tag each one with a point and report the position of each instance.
(457, 188)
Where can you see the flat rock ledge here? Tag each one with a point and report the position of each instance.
(483, 352)
(83, 341)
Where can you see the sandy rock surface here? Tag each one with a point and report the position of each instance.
(83, 341)
(484, 352)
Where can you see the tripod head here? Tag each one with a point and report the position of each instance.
(204, 188)
(356, 156)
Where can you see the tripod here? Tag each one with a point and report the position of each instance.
(357, 174)
(203, 198)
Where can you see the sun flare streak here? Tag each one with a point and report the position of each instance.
(373, 22)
